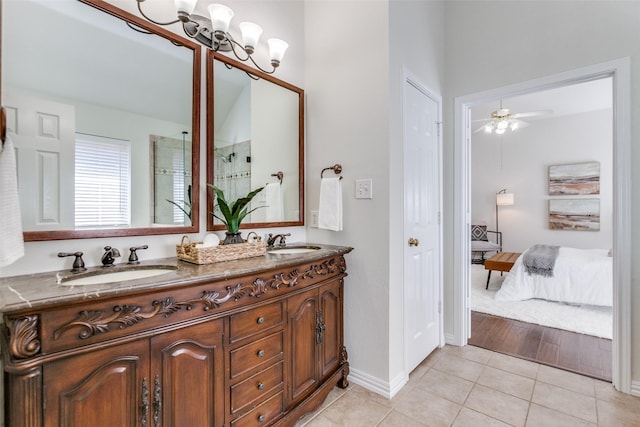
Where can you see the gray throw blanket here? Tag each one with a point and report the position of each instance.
(540, 259)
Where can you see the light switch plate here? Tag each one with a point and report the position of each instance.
(364, 188)
(314, 219)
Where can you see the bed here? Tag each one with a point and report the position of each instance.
(580, 276)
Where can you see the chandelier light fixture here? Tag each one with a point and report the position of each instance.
(501, 120)
(214, 33)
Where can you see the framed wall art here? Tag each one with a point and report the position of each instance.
(574, 214)
(574, 179)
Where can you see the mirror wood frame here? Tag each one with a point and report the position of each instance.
(215, 56)
(31, 236)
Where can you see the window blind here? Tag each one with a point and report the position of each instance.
(102, 182)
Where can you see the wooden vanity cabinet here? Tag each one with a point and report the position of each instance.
(172, 379)
(261, 349)
(315, 338)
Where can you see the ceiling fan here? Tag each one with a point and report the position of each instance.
(503, 119)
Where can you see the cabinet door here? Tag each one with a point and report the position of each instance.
(331, 338)
(303, 309)
(187, 376)
(101, 388)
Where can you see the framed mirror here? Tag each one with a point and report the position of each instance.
(104, 112)
(255, 138)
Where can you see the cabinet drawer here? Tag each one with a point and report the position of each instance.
(256, 354)
(254, 321)
(263, 414)
(251, 390)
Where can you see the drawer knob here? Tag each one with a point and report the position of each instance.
(261, 353)
(261, 418)
(260, 320)
(260, 386)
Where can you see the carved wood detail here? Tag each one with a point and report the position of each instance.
(93, 322)
(344, 356)
(24, 340)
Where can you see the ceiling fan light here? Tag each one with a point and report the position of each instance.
(488, 128)
(514, 125)
(500, 131)
(502, 124)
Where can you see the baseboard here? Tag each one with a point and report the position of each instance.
(450, 339)
(635, 388)
(374, 384)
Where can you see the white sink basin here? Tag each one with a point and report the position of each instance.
(101, 277)
(293, 250)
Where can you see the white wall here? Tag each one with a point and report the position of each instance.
(347, 88)
(536, 39)
(519, 161)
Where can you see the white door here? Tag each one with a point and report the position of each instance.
(44, 137)
(422, 234)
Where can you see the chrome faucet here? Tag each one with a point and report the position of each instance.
(109, 255)
(271, 240)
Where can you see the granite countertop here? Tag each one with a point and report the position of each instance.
(42, 289)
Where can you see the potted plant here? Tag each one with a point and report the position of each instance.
(233, 213)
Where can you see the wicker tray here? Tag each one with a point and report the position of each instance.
(187, 251)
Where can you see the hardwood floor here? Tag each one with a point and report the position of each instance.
(583, 354)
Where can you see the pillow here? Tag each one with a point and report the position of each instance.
(479, 232)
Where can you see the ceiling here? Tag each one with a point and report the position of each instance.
(574, 99)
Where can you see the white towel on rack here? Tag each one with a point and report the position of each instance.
(330, 209)
(275, 206)
(11, 242)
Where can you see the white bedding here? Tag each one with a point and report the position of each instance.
(580, 276)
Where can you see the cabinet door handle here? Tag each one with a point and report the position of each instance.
(260, 386)
(145, 403)
(157, 401)
(260, 320)
(260, 353)
(261, 418)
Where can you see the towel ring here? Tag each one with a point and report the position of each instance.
(278, 175)
(337, 169)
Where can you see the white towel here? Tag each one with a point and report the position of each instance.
(275, 207)
(11, 243)
(330, 209)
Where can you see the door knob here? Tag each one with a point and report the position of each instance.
(413, 242)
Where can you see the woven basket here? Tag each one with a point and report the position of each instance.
(188, 251)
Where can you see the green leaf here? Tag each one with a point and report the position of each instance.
(233, 216)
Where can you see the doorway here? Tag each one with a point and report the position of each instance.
(619, 71)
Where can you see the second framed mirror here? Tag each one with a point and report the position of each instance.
(255, 138)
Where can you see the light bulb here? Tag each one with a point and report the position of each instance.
(500, 131)
(514, 126)
(502, 124)
(488, 128)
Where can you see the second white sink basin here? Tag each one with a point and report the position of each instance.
(293, 250)
(101, 277)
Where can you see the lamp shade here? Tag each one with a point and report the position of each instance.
(250, 35)
(186, 6)
(277, 48)
(504, 199)
(220, 17)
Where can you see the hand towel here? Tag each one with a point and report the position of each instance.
(275, 207)
(330, 209)
(11, 242)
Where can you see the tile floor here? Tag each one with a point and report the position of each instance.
(471, 386)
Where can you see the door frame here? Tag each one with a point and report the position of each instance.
(412, 79)
(620, 71)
